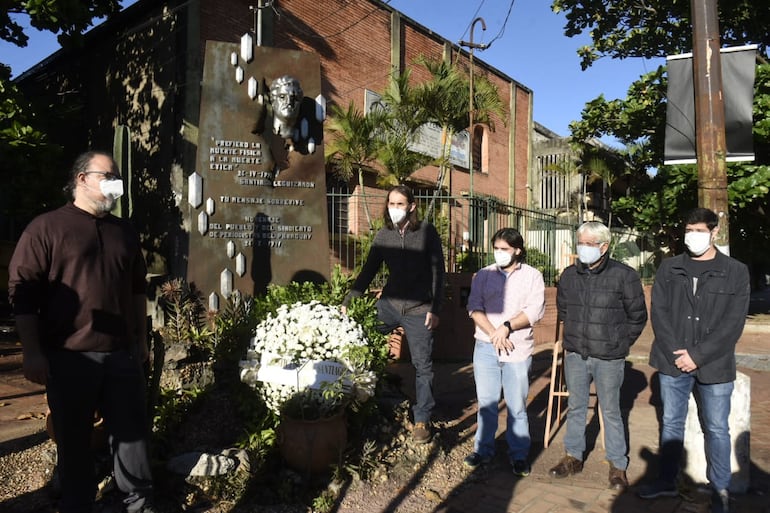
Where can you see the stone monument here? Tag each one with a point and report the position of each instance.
(257, 200)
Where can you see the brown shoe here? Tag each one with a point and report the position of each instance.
(421, 433)
(566, 467)
(618, 479)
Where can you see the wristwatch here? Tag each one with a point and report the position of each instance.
(507, 324)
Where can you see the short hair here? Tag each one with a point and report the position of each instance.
(596, 229)
(702, 215)
(81, 166)
(513, 238)
(285, 80)
(405, 191)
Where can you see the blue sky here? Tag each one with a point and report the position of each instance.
(532, 50)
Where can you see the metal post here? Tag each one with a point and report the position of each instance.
(472, 208)
(258, 21)
(711, 146)
(471, 45)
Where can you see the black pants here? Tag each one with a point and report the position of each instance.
(79, 384)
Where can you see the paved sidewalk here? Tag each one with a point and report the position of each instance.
(496, 490)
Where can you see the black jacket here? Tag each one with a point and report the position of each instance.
(415, 261)
(708, 323)
(603, 309)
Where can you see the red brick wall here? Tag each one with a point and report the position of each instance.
(353, 39)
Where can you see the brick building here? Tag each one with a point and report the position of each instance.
(140, 72)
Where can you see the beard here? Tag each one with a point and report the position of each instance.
(106, 205)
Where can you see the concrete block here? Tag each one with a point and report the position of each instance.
(740, 430)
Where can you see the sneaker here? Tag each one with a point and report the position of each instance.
(618, 479)
(421, 433)
(475, 459)
(521, 468)
(720, 501)
(566, 467)
(657, 489)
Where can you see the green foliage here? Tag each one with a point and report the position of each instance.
(31, 166)
(468, 261)
(311, 404)
(324, 503)
(68, 18)
(361, 309)
(542, 263)
(627, 28)
(656, 28)
(186, 318)
(170, 413)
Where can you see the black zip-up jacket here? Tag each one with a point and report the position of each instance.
(415, 263)
(603, 309)
(707, 323)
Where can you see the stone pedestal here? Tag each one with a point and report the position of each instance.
(740, 429)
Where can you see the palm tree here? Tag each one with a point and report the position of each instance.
(399, 132)
(444, 100)
(352, 147)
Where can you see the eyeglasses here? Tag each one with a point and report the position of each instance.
(106, 174)
(592, 244)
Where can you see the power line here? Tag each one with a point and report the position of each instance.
(475, 14)
(505, 22)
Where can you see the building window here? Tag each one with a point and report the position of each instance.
(480, 150)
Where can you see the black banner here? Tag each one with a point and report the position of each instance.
(738, 69)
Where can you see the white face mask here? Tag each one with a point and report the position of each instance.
(588, 254)
(503, 258)
(396, 214)
(697, 242)
(111, 189)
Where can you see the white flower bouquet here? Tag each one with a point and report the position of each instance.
(309, 355)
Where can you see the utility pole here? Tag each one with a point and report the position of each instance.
(472, 209)
(471, 46)
(710, 145)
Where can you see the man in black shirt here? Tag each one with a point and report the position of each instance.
(77, 286)
(699, 304)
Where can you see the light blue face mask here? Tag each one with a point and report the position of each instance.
(588, 254)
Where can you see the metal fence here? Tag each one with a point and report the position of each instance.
(466, 226)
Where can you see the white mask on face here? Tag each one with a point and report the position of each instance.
(588, 254)
(112, 189)
(503, 258)
(396, 214)
(697, 242)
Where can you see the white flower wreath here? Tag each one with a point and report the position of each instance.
(301, 334)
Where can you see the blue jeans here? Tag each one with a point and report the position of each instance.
(714, 409)
(420, 340)
(607, 376)
(490, 375)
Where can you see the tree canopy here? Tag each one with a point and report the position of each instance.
(29, 160)
(656, 28)
(658, 195)
(67, 18)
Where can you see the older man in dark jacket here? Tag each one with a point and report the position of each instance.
(699, 304)
(601, 303)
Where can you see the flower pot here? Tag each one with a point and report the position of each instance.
(311, 446)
